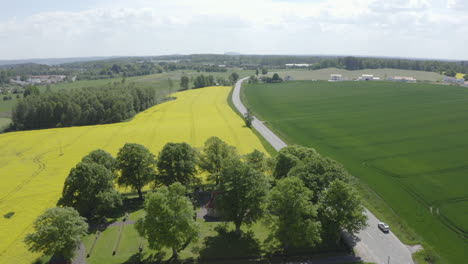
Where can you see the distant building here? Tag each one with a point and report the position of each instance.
(335, 78)
(454, 80)
(297, 65)
(402, 79)
(368, 77)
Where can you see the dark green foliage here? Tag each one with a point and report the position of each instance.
(31, 90)
(215, 154)
(137, 167)
(293, 218)
(203, 81)
(57, 232)
(248, 118)
(340, 208)
(89, 188)
(466, 77)
(257, 160)
(177, 163)
(318, 172)
(264, 71)
(103, 158)
(289, 157)
(234, 77)
(169, 221)
(242, 193)
(86, 106)
(184, 82)
(450, 73)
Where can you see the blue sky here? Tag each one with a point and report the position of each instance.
(402, 28)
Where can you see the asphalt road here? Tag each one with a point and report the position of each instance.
(371, 244)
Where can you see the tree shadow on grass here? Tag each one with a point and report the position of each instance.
(230, 246)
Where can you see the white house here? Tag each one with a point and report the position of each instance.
(402, 79)
(454, 80)
(368, 77)
(335, 77)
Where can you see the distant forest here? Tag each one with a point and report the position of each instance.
(136, 66)
(86, 106)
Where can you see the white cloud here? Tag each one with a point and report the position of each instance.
(416, 28)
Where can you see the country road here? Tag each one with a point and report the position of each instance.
(371, 245)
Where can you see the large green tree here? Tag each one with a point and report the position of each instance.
(215, 154)
(177, 162)
(184, 82)
(234, 77)
(57, 232)
(169, 220)
(243, 192)
(257, 160)
(137, 167)
(317, 172)
(293, 217)
(89, 188)
(290, 156)
(340, 208)
(102, 157)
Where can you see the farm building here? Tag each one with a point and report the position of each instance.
(368, 77)
(454, 80)
(297, 65)
(402, 79)
(335, 78)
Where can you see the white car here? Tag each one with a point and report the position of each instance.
(384, 227)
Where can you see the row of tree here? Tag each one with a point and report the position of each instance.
(85, 106)
(201, 81)
(304, 197)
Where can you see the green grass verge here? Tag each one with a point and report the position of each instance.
(405, 142)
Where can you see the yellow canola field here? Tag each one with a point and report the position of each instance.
(34, 164)
(460, 75)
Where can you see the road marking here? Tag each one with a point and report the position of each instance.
(369, 235)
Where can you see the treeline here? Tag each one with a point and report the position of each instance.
(201, 81)
(319, 62)
(86, 106)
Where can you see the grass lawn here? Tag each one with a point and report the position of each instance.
(210, 246)
(406, 142)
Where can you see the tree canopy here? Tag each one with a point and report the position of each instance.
(293, 218)
(177, 162)
(137, 167)
(89, 188)
(57, 232)
(341, 209)
(215, 154)
(169, 220)
(317, 172)
(83, 106)
(290, 156)
(102, 157)
(243, 192)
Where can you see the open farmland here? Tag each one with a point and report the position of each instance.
(34, 164)
(324, 74)
(408, 142)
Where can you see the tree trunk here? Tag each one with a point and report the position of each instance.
(238, 230)
(140, 194)
(175, 255)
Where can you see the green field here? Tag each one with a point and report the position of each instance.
(407, 142)
(324, 74)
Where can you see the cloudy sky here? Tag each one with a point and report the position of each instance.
(402, 28)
